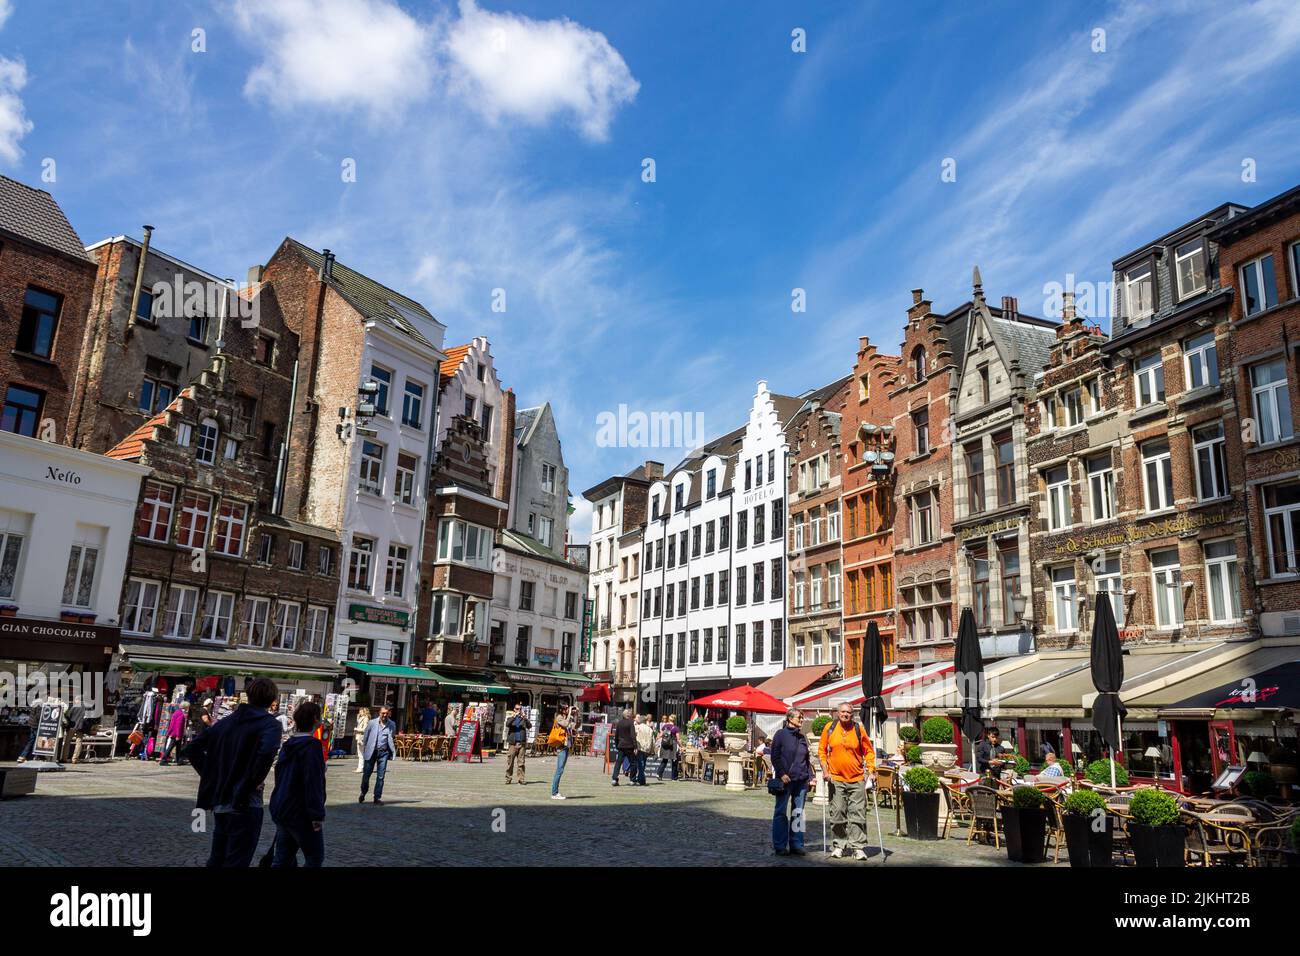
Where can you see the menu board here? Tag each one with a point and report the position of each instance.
(600, 738)
(49, 728)
(467, 745)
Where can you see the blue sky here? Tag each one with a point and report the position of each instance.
(500, 145)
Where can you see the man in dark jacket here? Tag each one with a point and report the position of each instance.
(232, 758)
(792, 765)
(517, 725)
(298, 802)
(625, 741)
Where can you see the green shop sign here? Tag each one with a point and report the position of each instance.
(377, 615)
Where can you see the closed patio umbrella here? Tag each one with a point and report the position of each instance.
(874, 713)
(1107, 676)
(968, 671)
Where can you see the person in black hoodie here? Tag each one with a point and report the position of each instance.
(232, 759)
(625, 741)
(298, 801)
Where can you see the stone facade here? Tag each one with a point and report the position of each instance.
(539, 492)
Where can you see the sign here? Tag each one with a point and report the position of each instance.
(467, 745)
(49, 728)
(1141, 532)
(588, 620)
(365, 614)
(546, 655)
(990, 527)
(600, 738)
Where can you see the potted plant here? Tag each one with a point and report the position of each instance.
(8, 610)
(1089, 830)
(70, 617)
(913, 754)
(818, 725)
(908, 734)
(1257, 783)
(1098, 772)
(921, 803)
(697, 727)
(938, 752)
(1156, 830)
(735, 735)
(1022, 765)
(86, 618)
(1025, 824)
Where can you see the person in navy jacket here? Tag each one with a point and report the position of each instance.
(792, 766)
(298, 802)
(377, 746)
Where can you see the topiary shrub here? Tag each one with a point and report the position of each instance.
(1257, 783)
(937, 730)
(737, 724)
(1084, 803)
(1022, 765)
(908, 733)
(819, 724)
(1098, 772)
(1028, 798)
(921, 780)
(1153, 808)
(913, 754)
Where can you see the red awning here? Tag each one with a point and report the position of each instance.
(596, 693)
(745, 697)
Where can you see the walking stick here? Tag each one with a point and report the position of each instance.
(875, 805)
(824, 781)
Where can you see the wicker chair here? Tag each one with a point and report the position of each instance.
(1215, 844)
(883, 794)
(959, 806)
(1271, 843)
(984, 813)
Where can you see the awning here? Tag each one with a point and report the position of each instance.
(795, 680)
(468, 683)
(394, 673)
(541, 675)
(1266, 677)
(208, 661)
(849, 690)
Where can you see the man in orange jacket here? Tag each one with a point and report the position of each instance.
(847, 757)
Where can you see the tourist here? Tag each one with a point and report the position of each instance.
(378, 747)
(625, 742)
(298, 801)
(1052, 768)
(645, 742)
(286, 724)
(668, 735)
(175, 732)
(792, 765)
(847, 756)
(359, 736)
(428, 718)
(232, 759)
(565, 726)
(517, 726)
(33, 722)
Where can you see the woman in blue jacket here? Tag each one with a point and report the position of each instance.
(298, 803)
(792, 768)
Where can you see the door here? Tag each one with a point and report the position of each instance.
(1223, 745)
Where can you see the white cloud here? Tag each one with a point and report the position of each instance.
(14, 124)
(368, 55)
(533, 70)
(6, 8)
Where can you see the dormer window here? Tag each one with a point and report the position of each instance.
(1139, 291)
(1189, 265)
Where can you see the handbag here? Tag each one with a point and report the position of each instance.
(775, 787)
(557, 737)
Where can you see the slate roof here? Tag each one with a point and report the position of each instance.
(372, 299)
(524, 419)
(1031, 343)
(33, 216)
(517, 541)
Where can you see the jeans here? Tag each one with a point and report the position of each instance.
(234, 838)
(30, 746)
(638, 775)
(561, 758)
(626, 758)
(378, 761)
(788, 820)
(664, 761)
(172, 744)
(290, 839)
(848, 812)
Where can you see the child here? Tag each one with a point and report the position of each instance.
(298, 803)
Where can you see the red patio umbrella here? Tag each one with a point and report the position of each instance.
(746, 697)
(597, 693)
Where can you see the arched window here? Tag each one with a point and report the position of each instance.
(918, 363)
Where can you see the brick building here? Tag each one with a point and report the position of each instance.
(46, 284)
(1259, 259)
(990, 480)
(868, 442)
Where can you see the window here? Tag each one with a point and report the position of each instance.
(196, 512)
(526, 593)
(832, 521)
(144, 308)
(1271, 400)
(1189, 265)
(395, 572)
(228, 538)
(1139, 292)
(198, 328)
(1282, 514)
(757, 594)
(711, 484)
(1259, 291)
(317, 627)
(695, 541)
(464, 543)
(264, 350)
(975, 478)
(742, 529)
(1211, 465)
(1101, 488)
(22, 411)
(1004, 454)
(360, 649)
(178, 618)
(79, 581)
(1158, 478)
(359, 564)
(548, 477)
(218, 616)
(1072, 401)
(155, 393)
(759, 512)
(778, 642)
(923, 518)
(1049, 414)
(723, 580)
(372, 467)
(740, 586)
(404, 482)
(184, 432)
(1009, 570)
(1167, 588)
(724, 532)
(749, 475)
(252, 628)
(444, 620)
(265, 548)
(544, 530)
(740, 644)
(155, 519)
(918, 364)
(695, 647)
(679, 497)
(1150, 374)
(758, 468)
(984, 383)
(39, 322)
(413, 404)
(268, 439)
(778, 518)
(1202, 360)
(11, 549)
(205, 449)
(1093, 388)
(485, 420)
(1059, 512)
(324, 560)
(230, 449)
(921, 430)
(140, 607)
(1109, 584)
(756, 645)
(384, 379)
(980, 587)
(1065, 594)
(1223, 578)
(778, 581)
(771, 466)
(286, 626)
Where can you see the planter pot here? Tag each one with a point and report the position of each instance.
(69, 617)
(1026, 832)
(1158, 846)
(735, 743)
(1088, 847)
(1284, 773)
(86, 618)
(921, 811)
(938, 757)
(9, 611)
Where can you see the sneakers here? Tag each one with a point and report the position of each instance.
(797, 851)
(557, 796)
(837, 853)
(859, 854)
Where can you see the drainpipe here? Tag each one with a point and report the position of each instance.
(139, 281)
(277, 498)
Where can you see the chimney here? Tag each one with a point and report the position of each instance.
(139, 279)
(917, 296)
(1067, 306)
(254, 275)
(654, 470)
(326, 265)
(1010, 307)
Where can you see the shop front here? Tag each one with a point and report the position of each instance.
(400, 687)
(544, 691)
(461, 692)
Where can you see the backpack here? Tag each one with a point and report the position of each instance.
(859, 732)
